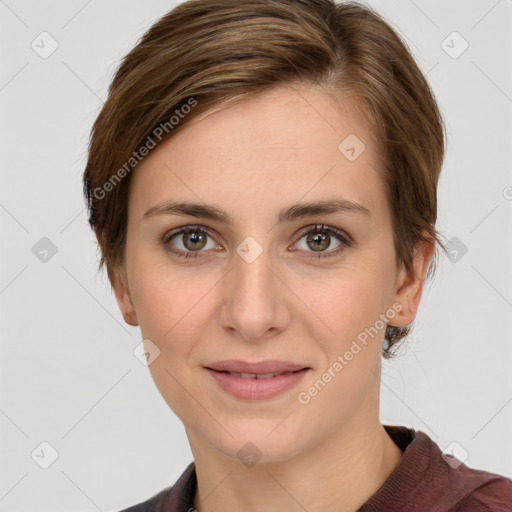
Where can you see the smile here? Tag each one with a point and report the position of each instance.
(256, 386)
(257, 375)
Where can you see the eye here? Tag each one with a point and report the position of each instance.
(189, 241)
(318, 239)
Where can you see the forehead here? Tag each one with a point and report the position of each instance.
(292, 142)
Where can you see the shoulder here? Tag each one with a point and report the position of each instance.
(494, 495)
(434, 480)
(152, 504)
(465, 488)
(171, 497)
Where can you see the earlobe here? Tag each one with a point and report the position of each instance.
(131, 318)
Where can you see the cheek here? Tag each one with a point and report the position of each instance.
(345, 301)
(350, 305)
(170, 311)
(167, 297)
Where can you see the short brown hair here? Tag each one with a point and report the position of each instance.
(216, 52)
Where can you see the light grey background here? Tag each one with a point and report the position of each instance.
(68, 373)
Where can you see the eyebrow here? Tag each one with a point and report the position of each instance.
(289, 214)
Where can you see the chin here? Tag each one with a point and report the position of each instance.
(259, 441)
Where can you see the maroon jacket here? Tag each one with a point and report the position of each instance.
(423, 481)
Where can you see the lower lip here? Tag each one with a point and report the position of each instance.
(257, 389)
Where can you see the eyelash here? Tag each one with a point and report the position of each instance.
(316, 228)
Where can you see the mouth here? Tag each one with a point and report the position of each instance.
(269, 366)
(256, 375)
(256, 386)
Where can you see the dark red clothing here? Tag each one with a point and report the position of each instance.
(422, 482)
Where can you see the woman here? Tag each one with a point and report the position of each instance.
(262, 182)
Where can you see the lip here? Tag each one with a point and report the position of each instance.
(268, 366)
(257, 389)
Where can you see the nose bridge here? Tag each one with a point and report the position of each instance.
(252, 272)
(253, 303)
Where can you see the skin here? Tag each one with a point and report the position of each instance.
(252, 159)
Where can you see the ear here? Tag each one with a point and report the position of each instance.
(121, 290)
(410, 284)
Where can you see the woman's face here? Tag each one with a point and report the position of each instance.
(261, 282)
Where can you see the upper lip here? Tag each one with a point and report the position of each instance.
(269, 366)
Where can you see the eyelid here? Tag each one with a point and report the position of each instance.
(168, 235)
(344, 238)
(185, 229)
(329, 229)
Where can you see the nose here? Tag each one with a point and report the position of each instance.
(255, 302)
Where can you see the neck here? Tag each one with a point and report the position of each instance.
(342, 472)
